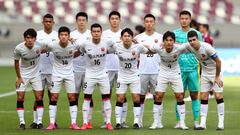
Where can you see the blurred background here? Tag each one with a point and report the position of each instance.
(222, 16)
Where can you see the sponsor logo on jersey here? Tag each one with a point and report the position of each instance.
(203, 55)
(175, 56)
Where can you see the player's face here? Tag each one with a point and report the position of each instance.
(82, 22)
(149, 23)
(63, 37)
(193, 41)
(48, 23)
(168, 43)
(127, 39)
(29, 41)
(96, 33)
(185, 20)
(114, 21)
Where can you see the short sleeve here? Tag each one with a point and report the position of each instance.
(16, 54)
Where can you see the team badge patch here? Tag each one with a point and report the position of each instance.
(70, 52)
(203, 55)
(175, 56)
(156, 41)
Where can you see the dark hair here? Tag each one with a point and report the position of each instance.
(185, 12)
(96, 25)
(83, 14)
(30, 32)
(168, 34)
(63, 29)
(139, 28)
(48, 16)
(192, 33)
(205, 26)
(127, 30)
(149, 15)
(114, 13)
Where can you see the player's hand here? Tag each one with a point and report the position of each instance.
(18, 82)
(219, 82)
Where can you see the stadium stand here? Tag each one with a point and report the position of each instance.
(166, 11)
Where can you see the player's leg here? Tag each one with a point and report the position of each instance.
(56, 87)
(144, 82)
(177, 86)
(136, 90)
(36, 84)
(20, 100)
(193, 86)
(69, 83)
(158, 106)
(204, 87)
(218, 91)
(104, 87)
(184, 81)
(89, 86)
(120, 91)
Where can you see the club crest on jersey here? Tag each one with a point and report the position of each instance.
(37, 51)
(203, 55)
(103, 49)
(156, 41)
(70, 52)
(175, 56)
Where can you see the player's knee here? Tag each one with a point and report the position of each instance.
(158, 97)
(120, 98)
(72, 97)
(194, 95)
(218, 96)
(142, 99)
(54, 97)
(179, 97)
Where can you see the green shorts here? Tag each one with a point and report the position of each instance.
(190, 81)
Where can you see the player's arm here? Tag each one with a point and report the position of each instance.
(218, 70)
(19, 77)
(111, 46)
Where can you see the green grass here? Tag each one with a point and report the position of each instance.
(9, 120)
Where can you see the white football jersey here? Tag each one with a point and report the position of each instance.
(205, 55)
(79, 63)
(169, 61)
(149, 63)
(63, 57)
(128, 71)
(29, 59)
(96, 57)
(46, 59)
(112, 63)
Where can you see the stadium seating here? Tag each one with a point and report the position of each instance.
(166, 11)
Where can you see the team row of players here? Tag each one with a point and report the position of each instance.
(94, 50)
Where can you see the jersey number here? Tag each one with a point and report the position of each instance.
(118, 84)
(128, 65)
(32, 63)
(97, 62)
(47, 54)
(64, 62)
(149, 55)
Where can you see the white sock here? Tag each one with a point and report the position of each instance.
(103, 113)
(160, 113)
(35, 117)
(90, 114)
(136, 112)
(124, 112)
(141, 113)
(21, 116)
(39, 112)
(107, 110)
(73, 113)
(181, 111)
(220, 109)
(156, 109)
(52, 113)
(118, 114)
(85, 110)
(203, 114)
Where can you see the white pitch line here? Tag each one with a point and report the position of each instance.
(10, 93)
